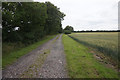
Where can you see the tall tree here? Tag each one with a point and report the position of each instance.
(53, 22)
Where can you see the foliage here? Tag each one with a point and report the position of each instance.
(27, 22)
(53, 22)
(69, 28)
(67, 31)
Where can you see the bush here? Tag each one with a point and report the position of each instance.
(67, 31)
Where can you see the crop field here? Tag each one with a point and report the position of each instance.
(81, 63)
(105, 42)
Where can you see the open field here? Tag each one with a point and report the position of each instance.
(81, 62)
(105, 42)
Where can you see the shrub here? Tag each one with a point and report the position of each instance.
(67, 31)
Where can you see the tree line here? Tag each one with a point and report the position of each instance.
(28, 22)
(96, 31)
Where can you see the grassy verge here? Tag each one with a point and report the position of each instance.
(13, 56)
(82, 64)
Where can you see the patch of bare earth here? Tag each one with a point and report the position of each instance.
(107, 61)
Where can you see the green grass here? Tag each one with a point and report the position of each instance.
(105, 42)
(82, 64)
(13, 56)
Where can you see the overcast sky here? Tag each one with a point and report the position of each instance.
(88, 14)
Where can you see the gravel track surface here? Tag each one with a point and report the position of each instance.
(54, 66)
(31, 66)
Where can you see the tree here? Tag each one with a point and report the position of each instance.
(68, 29)
(53, 22)
(34, 20)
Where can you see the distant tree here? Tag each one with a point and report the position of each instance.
(68, 29)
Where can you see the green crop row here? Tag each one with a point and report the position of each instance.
(106, 43)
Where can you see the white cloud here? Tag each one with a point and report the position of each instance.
(89, 14)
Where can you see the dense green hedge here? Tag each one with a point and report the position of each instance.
(67, 31)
